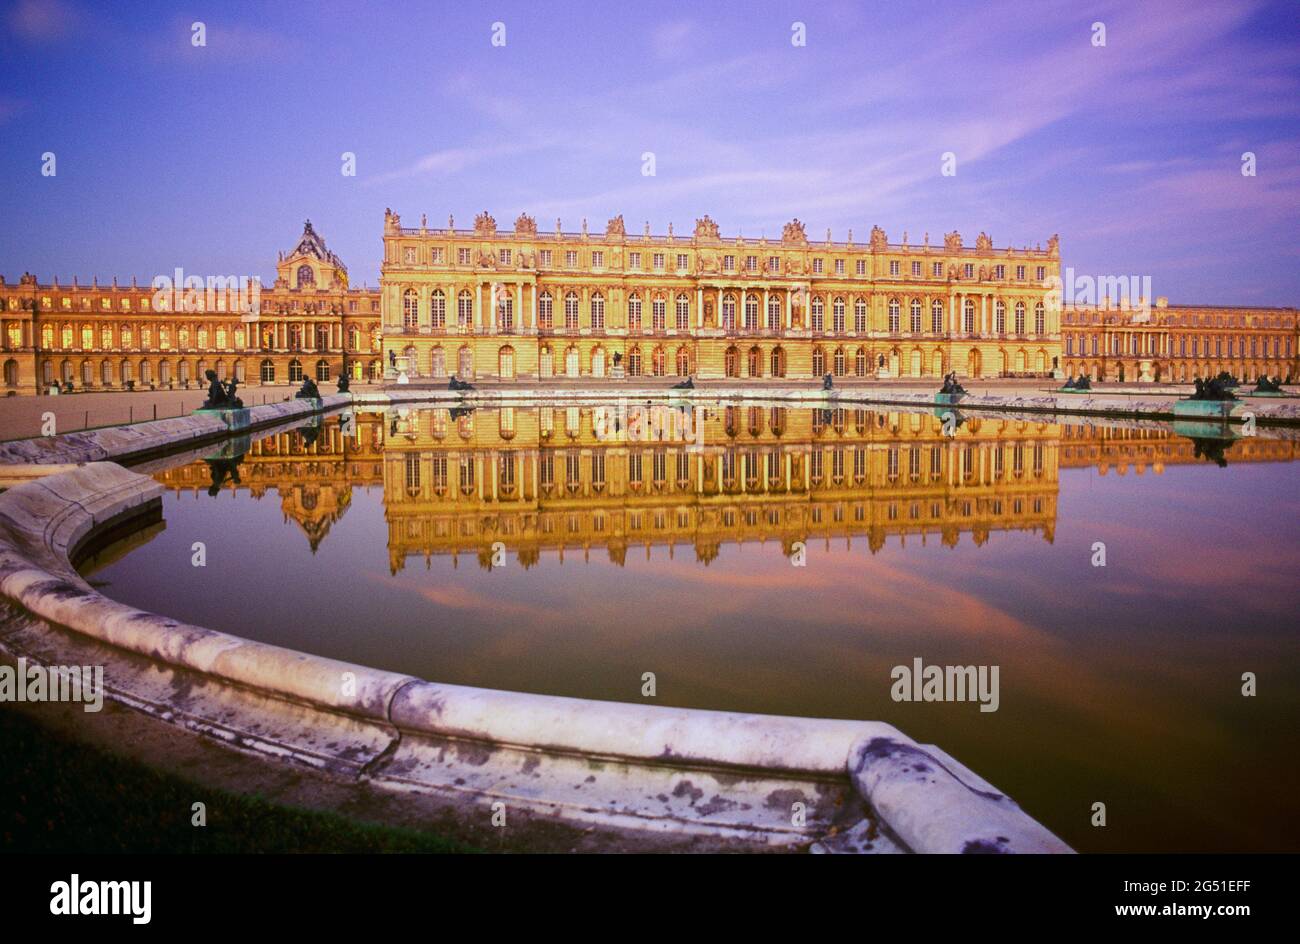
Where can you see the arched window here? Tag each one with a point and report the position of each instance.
(306, 275)
(410, 309)
(778, 362)
(295, 371)
(683, 362)
(755, 362)
(837, 315)
(915, 316)
(658, 361)
(773, 313)
(634, 362)
(506, 362)
(731, 362)
(658, 313)
(839, 362)
(465, 310)
(860, 362)
(1040, 319)
(1020, 318)
(818, 362)
(999, 317)
(598, 362)
(634, 313)
(438, 362)
(860, 315)
(936, 316)
(545, 361)
(818, 309)
(571, 311)
(683, 313)
(968, 316)
(751, 312)
(323, 333)
(465, 363)
(322, 369)
(597, 312)
(894, 316)
(729, 312)
(437, 309)
(571, 368)
(545, 311)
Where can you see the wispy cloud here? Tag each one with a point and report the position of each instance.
(43, 21)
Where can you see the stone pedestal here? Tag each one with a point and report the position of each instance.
(1207, 409)
(234, 419)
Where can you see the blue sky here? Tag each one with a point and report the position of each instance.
(210, 158)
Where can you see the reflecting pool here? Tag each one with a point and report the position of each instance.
(785, 561)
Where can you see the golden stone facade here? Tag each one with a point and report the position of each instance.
(1178, 343)
(485, 304)
(115, 337)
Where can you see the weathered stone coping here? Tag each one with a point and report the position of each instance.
(925, 800)
(121, 443)
(1120, 404)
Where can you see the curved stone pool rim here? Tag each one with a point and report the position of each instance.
(694, 778)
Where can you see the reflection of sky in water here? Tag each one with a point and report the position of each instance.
(1119, 684)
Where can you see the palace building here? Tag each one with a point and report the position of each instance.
(116, 337)
(488, 304)
(1178, 343)
(483, 304)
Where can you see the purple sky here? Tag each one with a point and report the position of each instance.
(210, 158)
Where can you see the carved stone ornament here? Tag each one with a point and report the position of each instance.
(705, 228)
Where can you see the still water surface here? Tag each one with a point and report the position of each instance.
(570, 551)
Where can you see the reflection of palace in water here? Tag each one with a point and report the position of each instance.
(570, 479)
